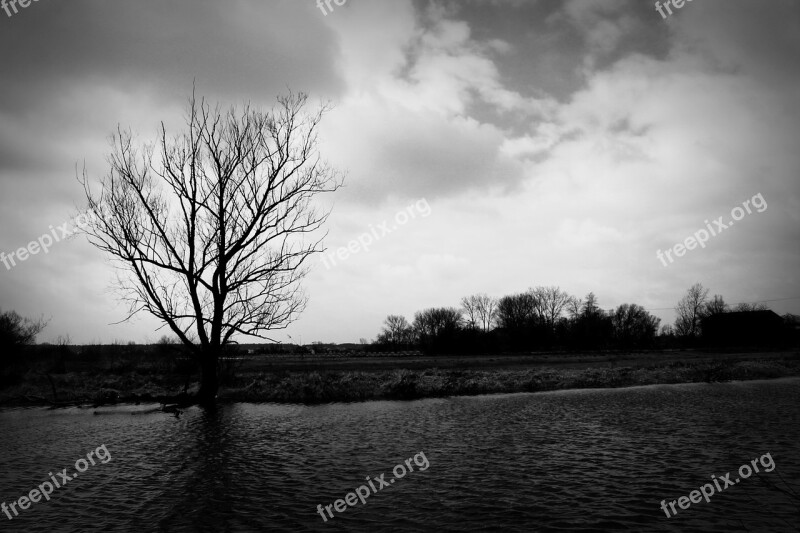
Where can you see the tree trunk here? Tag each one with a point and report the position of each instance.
(209, 384)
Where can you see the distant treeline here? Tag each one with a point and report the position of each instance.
(541, 318)
(549, 318)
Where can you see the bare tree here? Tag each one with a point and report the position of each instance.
(574, 306)
(480, 311)
(396, 331)
(690, 311)
(517, 311)
(551, 303)
(751, 307)
(487, 311)
(469, 306)
(212, 228)
(16, 330)
(436, 321)
(633, 326)
(715, 306)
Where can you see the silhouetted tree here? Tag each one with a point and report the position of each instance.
(436, 328)
(16, 330)
(550, 303)
(574, 306)
(690, 311)
(590, 305)
(432, 322)
(519, 320)
(592, 327)
(487, 311)
(211, 225)
(396, 332)
(715, 306)
(517, 312)
(480, 311)
(470, 309)
(751, 307)
(633, 326)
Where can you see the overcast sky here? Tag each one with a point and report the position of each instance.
(548, 142)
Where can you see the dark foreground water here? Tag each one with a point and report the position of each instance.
(584, 460)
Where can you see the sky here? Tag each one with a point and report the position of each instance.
(498, 144)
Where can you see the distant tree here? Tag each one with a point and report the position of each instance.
(633, 325)
(167, 345)
(592, 327)
(574, 307)
(590, 306)
(518, 311)
(16, 331)
(715, 306)
(63, 340)
(550, 304)
(667, 330)
(212, 227)
(690, 311)
(436, 328)
(487, 311)
(480, 311)
(751, 307)
(396, 331)
(520, 324)
(435, 321)
(469, 306)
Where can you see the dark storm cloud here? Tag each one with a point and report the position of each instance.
(552, 38)
(243, 49)
(757, 39)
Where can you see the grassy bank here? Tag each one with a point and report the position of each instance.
(316, 387)
(322, 382)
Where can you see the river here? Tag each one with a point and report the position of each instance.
(583, 460)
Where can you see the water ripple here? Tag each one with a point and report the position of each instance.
(587, 460)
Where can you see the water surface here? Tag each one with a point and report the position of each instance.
(582, 460)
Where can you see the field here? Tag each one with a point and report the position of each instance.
(135, 374)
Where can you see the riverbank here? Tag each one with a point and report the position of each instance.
(313, 382)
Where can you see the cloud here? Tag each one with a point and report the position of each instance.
(241, 49)
(405, 128)
(558, 143)
(392, 151)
